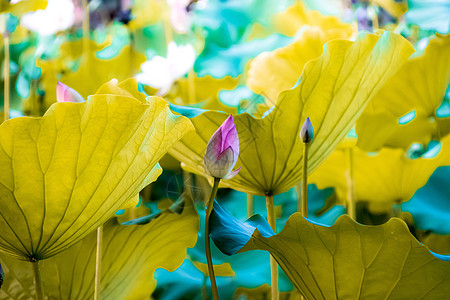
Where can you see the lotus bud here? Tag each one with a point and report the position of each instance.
(307, 132)
(67, 94)
(222, 151)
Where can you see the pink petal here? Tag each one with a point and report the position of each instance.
(232, 174)
(67, 94)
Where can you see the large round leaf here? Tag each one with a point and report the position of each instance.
(131, 254)
(68, 172)
(345, 261)
(405, 110)
(333, 91)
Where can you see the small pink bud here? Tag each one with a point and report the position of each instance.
(307, 132)
(222, 151)
(67, 94)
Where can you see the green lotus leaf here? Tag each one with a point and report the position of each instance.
(131, 254)
(386, 177)
(333, 91)
(68, 172)
(418, 89)
(353, 261)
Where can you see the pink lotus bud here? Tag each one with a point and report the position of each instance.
(67, 94)
(222, 151)
(307, 132)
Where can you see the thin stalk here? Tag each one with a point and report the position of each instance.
(191, 87)
(86, 26)
(209, 207)
(305, 181)
(98, 263)
(351, 204)
(37, 280)
(298, 191)
(6, 77)
(249, 205)
(273, 263)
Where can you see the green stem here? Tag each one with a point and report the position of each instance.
(209, 207)
(298, 191)
(249, 205)
(86, 29)
(305, 180)
(6, 77)
(37, 280)
(351, 205)
(273, 263)
(98, 263)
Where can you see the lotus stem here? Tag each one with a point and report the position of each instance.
(98, 263)
(305, 181)
(86, 27)
(209, 207)
(351, 201)
(6, 77)
(191, 87)
(273, 263)
(298, 191)
(37, 280)
(249, 205)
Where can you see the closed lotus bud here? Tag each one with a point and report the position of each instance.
(222, 151)
(67, 94)
(307, 132)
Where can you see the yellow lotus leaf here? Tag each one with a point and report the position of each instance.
(145, 12)
(202, 91)
(333, 91)
(20, 8)
(387, 177)
(68, 172)
(91, 72)
(270, 73)
(131, 254)
(405, 109)
(393, 7)
(290, 21)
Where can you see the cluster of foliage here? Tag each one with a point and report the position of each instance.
(111, 124)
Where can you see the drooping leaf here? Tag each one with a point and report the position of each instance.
(131, 254)
(68, 172)
(348, 260)
(334, 90)
(418, 89)
(381, 179)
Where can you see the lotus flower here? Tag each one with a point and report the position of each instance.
(222, 151)
(307, 131)
(67, 94)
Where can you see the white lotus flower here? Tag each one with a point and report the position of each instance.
(161, 72)
(59, 15)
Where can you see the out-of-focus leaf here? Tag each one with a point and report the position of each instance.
(430, 206)
(297, 15)
(433, 16)
(386, 178)
(348, 260)
(395, 8)
(334, 90)
(20, 8)
(91, 71)
(270, 73)
(202, 92)
(68, 172)
(145, 12)
(418, 88)
(131, 254)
